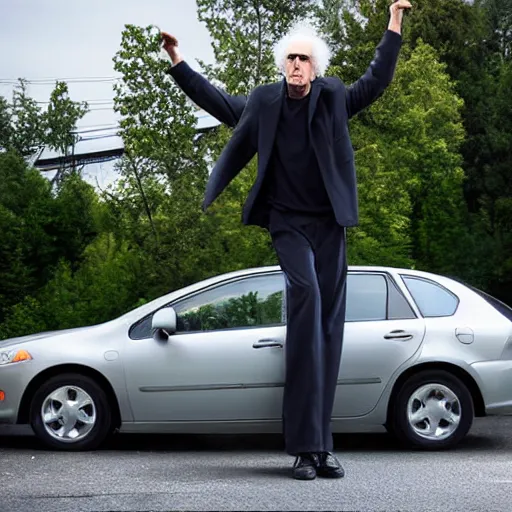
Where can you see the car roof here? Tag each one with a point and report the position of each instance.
(165, 299)
(351, 268)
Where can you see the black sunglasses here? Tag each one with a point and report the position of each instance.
(301, 56)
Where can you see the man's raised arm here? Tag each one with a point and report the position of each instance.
(379, 74)
(224, 107)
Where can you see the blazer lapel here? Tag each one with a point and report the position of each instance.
(316, 87)
(269, 119)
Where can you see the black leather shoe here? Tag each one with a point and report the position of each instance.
(304, 467)
(329, 466)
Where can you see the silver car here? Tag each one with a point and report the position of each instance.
(422, 356)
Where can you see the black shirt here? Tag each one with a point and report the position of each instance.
(295, 182)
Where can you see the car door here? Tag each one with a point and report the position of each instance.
(225, 362)
(381, 333)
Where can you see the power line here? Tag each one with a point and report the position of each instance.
(91, 102)
(68, 78)
(46, 81)
(97, 125)
(97, 137)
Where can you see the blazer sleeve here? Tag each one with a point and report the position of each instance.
(237, 153)
(225, 108)
(378, 75)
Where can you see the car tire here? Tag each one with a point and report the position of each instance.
(421, 396)
(87, 408)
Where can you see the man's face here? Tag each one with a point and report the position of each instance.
(299, 67)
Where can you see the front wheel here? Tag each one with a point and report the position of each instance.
(71, 412)
(433, 410)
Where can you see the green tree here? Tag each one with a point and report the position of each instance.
(28, 131)
(164, 170)
(157, 122)
(165, 173)
(25, 126)
(6, 128)
(243, 33)
(25, 204)
(59, 122)
(409, 169)
(106, 285)
(39, 227)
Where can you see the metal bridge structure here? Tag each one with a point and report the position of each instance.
(94, 150)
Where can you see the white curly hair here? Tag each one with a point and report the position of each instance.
(321, 53)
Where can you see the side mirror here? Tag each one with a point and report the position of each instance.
(163, 324)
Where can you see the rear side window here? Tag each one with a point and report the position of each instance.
(367, 297)
(432, 299)
(373, 297)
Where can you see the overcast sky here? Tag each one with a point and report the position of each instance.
(63, 38)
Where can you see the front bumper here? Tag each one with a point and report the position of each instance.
(13, 379)
(496, 385)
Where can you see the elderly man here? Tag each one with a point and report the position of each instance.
(305, 195)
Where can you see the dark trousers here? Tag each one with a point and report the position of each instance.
(312, 255)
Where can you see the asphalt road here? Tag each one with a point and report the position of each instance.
(161, 473)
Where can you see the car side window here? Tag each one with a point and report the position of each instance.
(253, 301)
(250, 302)
(367, 296)
(398, 306)
(432, 299)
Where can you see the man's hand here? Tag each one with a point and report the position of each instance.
(170, 45)
(396, 11)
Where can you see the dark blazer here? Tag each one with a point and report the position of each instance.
(255, 120)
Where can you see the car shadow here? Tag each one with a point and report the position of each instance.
(22, 438)
(274, 442)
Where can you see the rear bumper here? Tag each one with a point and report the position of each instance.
(496, 386)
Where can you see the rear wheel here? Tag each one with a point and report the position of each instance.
(71, 412)
(432, 410)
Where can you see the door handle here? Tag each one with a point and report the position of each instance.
(267, 343)
(398, 335)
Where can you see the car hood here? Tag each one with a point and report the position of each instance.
(39, 336)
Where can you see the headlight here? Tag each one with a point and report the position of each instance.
(14, 356)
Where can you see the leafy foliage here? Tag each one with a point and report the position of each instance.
(433, 157)
(243, 33)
